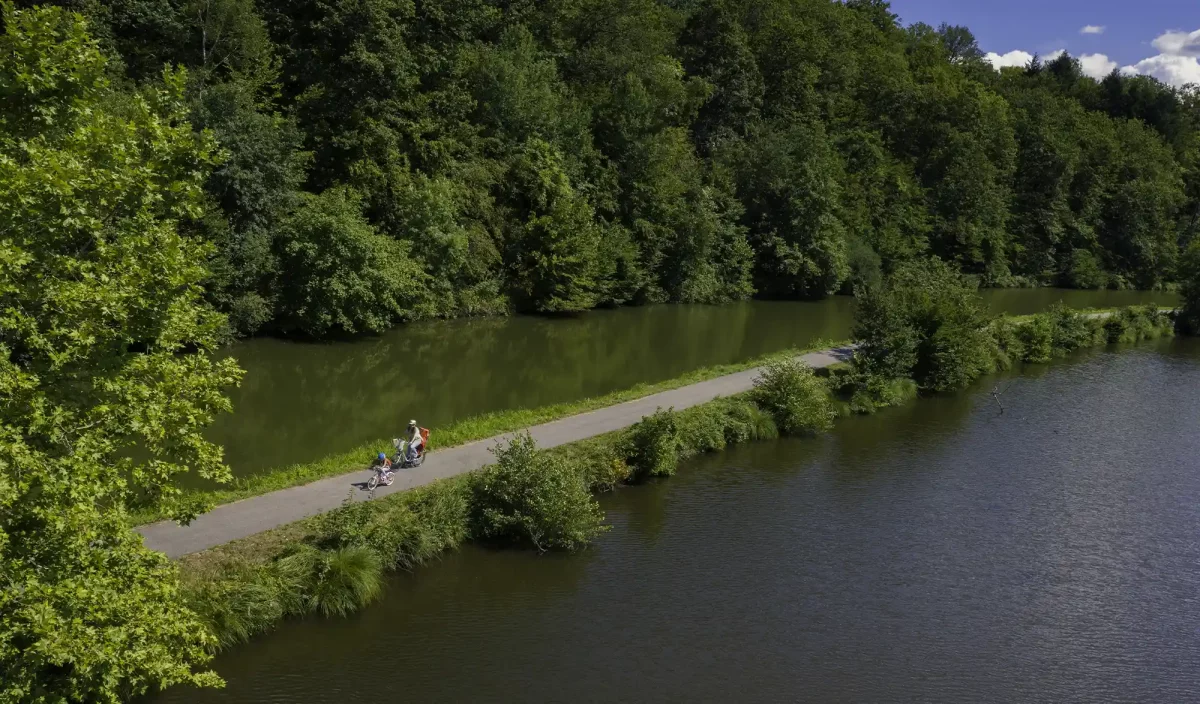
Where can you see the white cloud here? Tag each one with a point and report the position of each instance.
(1173, 70)
(1178, 64)
(1179, 43)
(1012, 58)
(1017, 57)
(1096, 65)
(1092, 29)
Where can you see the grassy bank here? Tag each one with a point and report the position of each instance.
(463, 432)
(544, 499)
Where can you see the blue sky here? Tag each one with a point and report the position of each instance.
(1156, 37)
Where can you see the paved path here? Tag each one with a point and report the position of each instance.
(240, 519)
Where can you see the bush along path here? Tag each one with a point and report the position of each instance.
(254, 515)
(543, 498)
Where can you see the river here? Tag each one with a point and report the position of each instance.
(938, 552)
(300, 402)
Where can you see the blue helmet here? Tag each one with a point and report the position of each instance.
(382, 456)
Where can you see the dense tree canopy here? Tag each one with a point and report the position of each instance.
(105, 380)
(562, 155)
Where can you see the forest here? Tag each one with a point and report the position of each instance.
(382, 161)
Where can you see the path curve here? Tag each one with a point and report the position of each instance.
(241, 519)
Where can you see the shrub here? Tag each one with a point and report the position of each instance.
(1006, 346)
(1071, 330)
(601, 462)
(1037, 338)
(701, 429)
(534, 497)
(960, 353)
(654, 445)
(1116, 327)
(873, 393)
(927, 323)
(795, 397)
(1137, 323)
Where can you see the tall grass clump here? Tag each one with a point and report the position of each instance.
(795, 397)
(336, 582)
(653, 445)
(251, 599)
(744, 421)
(247, 601)
(535, 498)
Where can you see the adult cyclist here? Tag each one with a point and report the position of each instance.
(416, 443)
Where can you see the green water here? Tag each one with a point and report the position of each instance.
(300, 402)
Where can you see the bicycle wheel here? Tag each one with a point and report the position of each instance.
(373, 482)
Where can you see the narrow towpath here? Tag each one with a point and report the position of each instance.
(244, 518)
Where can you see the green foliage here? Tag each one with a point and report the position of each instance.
(106, 381)
(1189, 312)
(1084, 271)
(926, 323)
(1037, 339)
(797, 399)
(790, 178)
(535, 498)
(401, 534)
(654, 445)
(1137, 323)
(554, 253)
(343, 276)
(1071, 330)
(1008, 346)
(694, 151)
(870, 394)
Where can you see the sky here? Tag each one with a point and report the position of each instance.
(1160, 38)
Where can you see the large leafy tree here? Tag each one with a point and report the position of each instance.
(554, 251)
(106, 382)
(340, 275)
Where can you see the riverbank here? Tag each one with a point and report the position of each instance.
(334, 563)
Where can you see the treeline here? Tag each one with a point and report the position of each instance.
(388, 160)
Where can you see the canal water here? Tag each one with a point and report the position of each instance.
(301, 402)
(939, 552)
